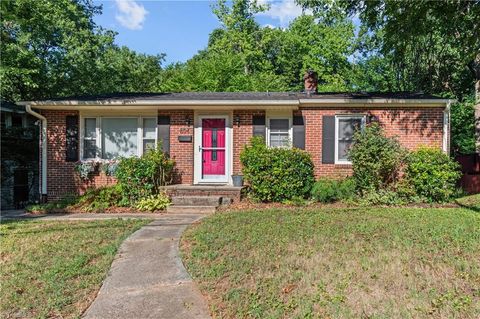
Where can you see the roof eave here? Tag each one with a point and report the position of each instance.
(376, 102)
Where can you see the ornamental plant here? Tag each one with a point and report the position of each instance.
(376, 159)
(144, 176)
(154, 202)
(276, 174)
(432, 173)
(86, 168)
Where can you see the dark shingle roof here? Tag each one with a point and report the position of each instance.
(242, 96)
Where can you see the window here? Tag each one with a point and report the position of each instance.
(345, 127)
(90, 138)
(279, 132)
(110, 138)
(119, 137)
(149, 133)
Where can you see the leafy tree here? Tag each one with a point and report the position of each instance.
(434, 45)
(54, 48)
(243, 56)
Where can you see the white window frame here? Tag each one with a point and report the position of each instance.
(280, 117)
(363, 117)
(98, 134)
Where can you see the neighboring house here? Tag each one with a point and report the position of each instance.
(205, 132)
(19, 157)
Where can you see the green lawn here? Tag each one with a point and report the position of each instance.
(471, 202)
(54, 269)
(338, 263)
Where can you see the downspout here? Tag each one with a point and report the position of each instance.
(43, 188)
(446, 129)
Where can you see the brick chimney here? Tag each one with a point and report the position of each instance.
(311, 81)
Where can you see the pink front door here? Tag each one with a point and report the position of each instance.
(213, 147)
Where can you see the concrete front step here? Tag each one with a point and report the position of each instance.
(175, 209)
(196, 200)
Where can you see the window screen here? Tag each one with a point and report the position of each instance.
(90, 138)
(149, 133)
(279, 132)
(119, 137)
(346, 128)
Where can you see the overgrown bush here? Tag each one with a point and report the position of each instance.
(328, 190)
(376, 159)
(432, 173)
(153, 202)
(98, 199)
(141, 177)
(276, 174)
(463, 126)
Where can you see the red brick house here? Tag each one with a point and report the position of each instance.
(205, 132)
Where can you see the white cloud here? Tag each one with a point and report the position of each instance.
(131, 15)
(284, 11)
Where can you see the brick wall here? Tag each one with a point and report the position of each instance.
(413, 127)
(62, 178)
(181, 152)
(242, 134)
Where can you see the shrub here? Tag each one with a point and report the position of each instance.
(276, 174)
(432, 173)
(141, 177)
(153, 202)
(376, 159)
(327, 190)
(463, 127)
(60, 204)
(382, 197)
(99, 199)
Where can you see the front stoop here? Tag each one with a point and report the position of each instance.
(194, 204)
(203, 199)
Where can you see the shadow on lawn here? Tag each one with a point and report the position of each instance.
(475, 208)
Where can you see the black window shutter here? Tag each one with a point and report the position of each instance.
(299, 132)
(71, 138)
(328, 140)
(259, 126)
(164, 132)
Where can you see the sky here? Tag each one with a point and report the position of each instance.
(177, 28)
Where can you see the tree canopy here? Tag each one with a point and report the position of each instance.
(54, 48)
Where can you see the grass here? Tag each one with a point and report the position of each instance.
(472, 202)
(338, 263)
(53, 268)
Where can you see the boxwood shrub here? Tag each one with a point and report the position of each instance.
(276, 174)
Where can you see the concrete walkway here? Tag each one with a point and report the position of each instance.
(147, 278)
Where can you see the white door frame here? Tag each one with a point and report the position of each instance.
(197, 165)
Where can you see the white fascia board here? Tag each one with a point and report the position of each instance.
(375, 102)
(161, 104)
